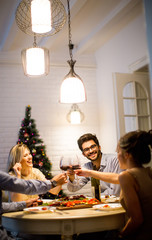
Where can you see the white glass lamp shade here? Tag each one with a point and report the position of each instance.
(35, 61)
(72, 88)
(72, 91)
(75, 116)
(41, 16)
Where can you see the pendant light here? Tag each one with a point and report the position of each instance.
(35, 60)
(72, 88)
(40, 17)
(75, 116)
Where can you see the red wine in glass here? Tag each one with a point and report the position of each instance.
(77, 166)
(65, 163)
(64, 168)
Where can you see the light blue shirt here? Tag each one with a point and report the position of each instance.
(14, 184)
(109, 163)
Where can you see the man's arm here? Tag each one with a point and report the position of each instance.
(17, 206)
(29, 187)
(72, 186)
(12, 206)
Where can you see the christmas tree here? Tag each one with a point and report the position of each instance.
(29, 135)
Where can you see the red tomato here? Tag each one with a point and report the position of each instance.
(105, 206)
(70, 204)
(44, 208)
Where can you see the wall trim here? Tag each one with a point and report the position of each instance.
(138, 64)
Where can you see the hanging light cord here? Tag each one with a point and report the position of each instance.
(71, 46)
(34, 44)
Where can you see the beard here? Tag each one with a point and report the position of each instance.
(98, 154)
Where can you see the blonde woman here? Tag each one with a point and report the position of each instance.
(20, 165)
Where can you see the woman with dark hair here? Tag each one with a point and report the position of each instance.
(133, 150)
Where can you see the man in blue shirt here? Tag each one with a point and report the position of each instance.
(91, 149)
(29, 187)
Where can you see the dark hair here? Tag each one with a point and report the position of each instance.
(138, 144)
(87, 137)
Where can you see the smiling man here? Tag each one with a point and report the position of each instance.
(91, 149)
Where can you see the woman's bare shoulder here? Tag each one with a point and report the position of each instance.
(125, 176)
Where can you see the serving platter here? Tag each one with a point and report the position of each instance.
(108, 207)
(79, 206)
(75, 202)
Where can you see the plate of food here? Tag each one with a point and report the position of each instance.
(77, 203)
(42, 209)
(109, 199)
(108, 207)
(72, 202)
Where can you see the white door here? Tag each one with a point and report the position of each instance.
(132, 102)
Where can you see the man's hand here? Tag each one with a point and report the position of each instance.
(32, 202)
(60, 178)
(71, 174)
(17, 170)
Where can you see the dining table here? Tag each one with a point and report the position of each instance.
(66, 223)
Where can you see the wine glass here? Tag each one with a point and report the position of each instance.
(70, 162)
(65, 163)
(75, 162)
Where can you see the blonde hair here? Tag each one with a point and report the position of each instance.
(15, 155)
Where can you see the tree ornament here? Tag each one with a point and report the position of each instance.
(33, 150)
(40, 164)
(26, 134)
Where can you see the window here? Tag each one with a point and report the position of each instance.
(132, 102)
(136, 107)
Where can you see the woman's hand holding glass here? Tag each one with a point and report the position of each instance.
(83, 172)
